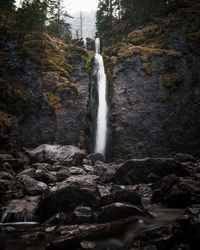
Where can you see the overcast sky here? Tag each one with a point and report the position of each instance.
(77, 5)
(73, 6)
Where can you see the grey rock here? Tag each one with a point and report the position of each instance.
(118, 210)
(83, 214)
(53, 153)
(76, 171)
(95, 157)
(184, 158)
(142, 125)
(65, 196)
(31, 186)
(136, 171)
(105, 171)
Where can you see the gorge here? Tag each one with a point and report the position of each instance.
(100, 139)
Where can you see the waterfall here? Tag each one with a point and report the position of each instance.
(85, 43)
(102, 112)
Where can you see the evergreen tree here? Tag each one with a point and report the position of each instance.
(105, 15)
(57, 22)
(32, 15)
(7, 5)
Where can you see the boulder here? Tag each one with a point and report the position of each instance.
(118, 210)
(55, 153)
(5, 176)
(13, 162)
(184, 158)
(104, 171)
(61, 175)
(136, 171)
(39, 174)
(31, 186)
(82, 214)
(111, 194)
(178, 192)
(65, 196)
(76, 171)
(95, 157)
(5, 158)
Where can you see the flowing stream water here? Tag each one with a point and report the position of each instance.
(85, 43)
(102, 112)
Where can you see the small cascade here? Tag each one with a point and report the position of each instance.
(18, 217)
(17, 211)
(85, 43)
(102, 112)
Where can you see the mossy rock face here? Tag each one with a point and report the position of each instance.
(5, 120)
(193, 32)
(13, 87)
(172, 80)
(124, 50)
(88, 60)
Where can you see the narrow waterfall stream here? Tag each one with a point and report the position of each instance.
(85, 43)
(102, 112)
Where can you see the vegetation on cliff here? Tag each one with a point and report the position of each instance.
(151, 39)
(35, 68)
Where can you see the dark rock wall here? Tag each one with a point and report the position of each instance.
(38, 121)
(144, 122)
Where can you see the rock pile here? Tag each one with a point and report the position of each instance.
(85, 203)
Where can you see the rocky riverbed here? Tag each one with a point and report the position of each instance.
(59, 197)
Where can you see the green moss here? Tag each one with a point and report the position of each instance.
(88, 59)
(14, 87)
(146, 66)
(166, 98)
(52, 100)
(4, 120)
(158, 70)
(193, 33)
(109, 63)
(172, 80)
(3, 106)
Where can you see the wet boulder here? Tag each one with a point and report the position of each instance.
(118, 210)
(95, 157)
(178, 192)
(105, 171)
(56, 153)
(65, 196)
(31, 186)
(15, 163)
(116, 193)
(76, 171)
(184, 158)
(136, 171)
(82, 214)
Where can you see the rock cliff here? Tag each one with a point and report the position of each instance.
(154, 88)
(44, 88)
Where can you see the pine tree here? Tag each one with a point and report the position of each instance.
(105, 15)
(7, 5)
(57, 20)
(32, 15)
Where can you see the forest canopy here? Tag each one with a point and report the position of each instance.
(40, 15)
(134, 12)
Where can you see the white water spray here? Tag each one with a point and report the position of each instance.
(101, 132)
(85, 43)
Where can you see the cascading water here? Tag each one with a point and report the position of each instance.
(85, 43)
(102, 112)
